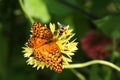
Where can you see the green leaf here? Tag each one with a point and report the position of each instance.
(117, 4)
(55, 7)
(99, 7)
(37, 9)
(110, 25)
(116, 54)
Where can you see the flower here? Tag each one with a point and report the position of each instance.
(58, 37)
(94, 44)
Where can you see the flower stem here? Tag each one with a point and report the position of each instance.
(23, 8)
(79, 75)
(81, 65)
(109, 71)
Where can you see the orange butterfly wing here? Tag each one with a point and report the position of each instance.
(45, 48)
(50, 54)
(35, 42)
(41, 31)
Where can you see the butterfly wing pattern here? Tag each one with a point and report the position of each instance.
(44, 47)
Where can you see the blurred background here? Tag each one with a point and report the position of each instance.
(95, 22)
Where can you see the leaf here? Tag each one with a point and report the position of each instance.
(55, 7)
(37, 9)
(99, 7)
(117, 4)
(110, 25)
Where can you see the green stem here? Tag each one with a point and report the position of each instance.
(109, 71)
(81, 65)
(79, 75)
(23, 8)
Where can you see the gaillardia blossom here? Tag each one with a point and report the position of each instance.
(50, 47)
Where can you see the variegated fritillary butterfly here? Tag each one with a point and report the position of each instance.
(45, 47)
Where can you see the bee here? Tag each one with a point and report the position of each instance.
(62, 28)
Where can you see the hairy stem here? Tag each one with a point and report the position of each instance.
(81, 65)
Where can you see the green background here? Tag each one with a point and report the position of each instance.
(81, 15)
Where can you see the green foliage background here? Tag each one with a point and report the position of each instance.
(81, 15)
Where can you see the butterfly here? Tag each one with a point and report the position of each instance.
(44, 47)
